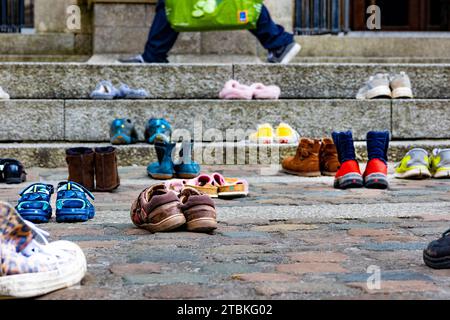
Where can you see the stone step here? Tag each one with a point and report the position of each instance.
(218, 120)
(52, 155)
(204, 81)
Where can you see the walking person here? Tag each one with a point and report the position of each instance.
(280, 44)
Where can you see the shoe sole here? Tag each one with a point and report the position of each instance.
(303, 174)
(379, 92)
(72, 215)
(202, 225)
(120, 140)
(443, 174)
(417, 174)
(291, 54)
(230, 195)
(35, 217)
(161, 176)
(36, 284)
(349, 181)
(402, 93)
(170, 223)
(376, 181)
(14, 180)
(436, 263)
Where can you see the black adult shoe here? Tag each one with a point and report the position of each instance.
(12, 171)
(284, 54)
(139, 59)
(437, 254)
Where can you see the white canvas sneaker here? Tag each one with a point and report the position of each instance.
(31, 266)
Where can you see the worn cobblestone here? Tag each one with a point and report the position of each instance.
(292, 238)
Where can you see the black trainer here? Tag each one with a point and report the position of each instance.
(284, 54)
(437, 254)
(12, 171)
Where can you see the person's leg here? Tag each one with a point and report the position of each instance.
(271, 35)
(161, 37)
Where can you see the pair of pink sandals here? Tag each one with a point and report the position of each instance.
(215, 185)
(235, 90)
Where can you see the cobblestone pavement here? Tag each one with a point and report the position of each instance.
(292, 238)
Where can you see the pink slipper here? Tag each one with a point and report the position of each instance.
(203, 183)
(230, 187)
(261, 91)
(235, 90)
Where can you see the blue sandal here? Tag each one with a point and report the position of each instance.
(72, 204)
(34, 203)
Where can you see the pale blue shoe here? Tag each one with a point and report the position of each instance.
(105, 91)
(128, 93)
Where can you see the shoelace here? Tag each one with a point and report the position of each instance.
(36, 248)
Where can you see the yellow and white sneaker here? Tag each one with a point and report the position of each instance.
(440, 163)
(414, 165)
(285, 134)
(264, 134)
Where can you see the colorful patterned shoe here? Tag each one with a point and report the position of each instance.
(72, 204)
(29, 265)
(440, 163)
(230, 187)
(157, 130)
(414, 165)
(122, 131)
(34, 203)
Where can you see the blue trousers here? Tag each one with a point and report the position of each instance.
(162, 37)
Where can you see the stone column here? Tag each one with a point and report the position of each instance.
(50, 16)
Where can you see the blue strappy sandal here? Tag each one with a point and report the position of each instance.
(72, 204)
(34, 203)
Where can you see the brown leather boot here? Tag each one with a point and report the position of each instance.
(80, 162)
(306, 161)
(106, 173)
(328, 157)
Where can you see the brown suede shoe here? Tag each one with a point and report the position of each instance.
(157, 209)
(328, 157)
(106, 173)
(80, 162)
(306, 161)
(199, 210)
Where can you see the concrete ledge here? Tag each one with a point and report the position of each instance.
(215, 120)
(52, 155)
(341, 80)
(314, 118)
(76, 81)
(37, 44)
(421, 119)
(38, 120)
(197, 81)
(350, 46)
